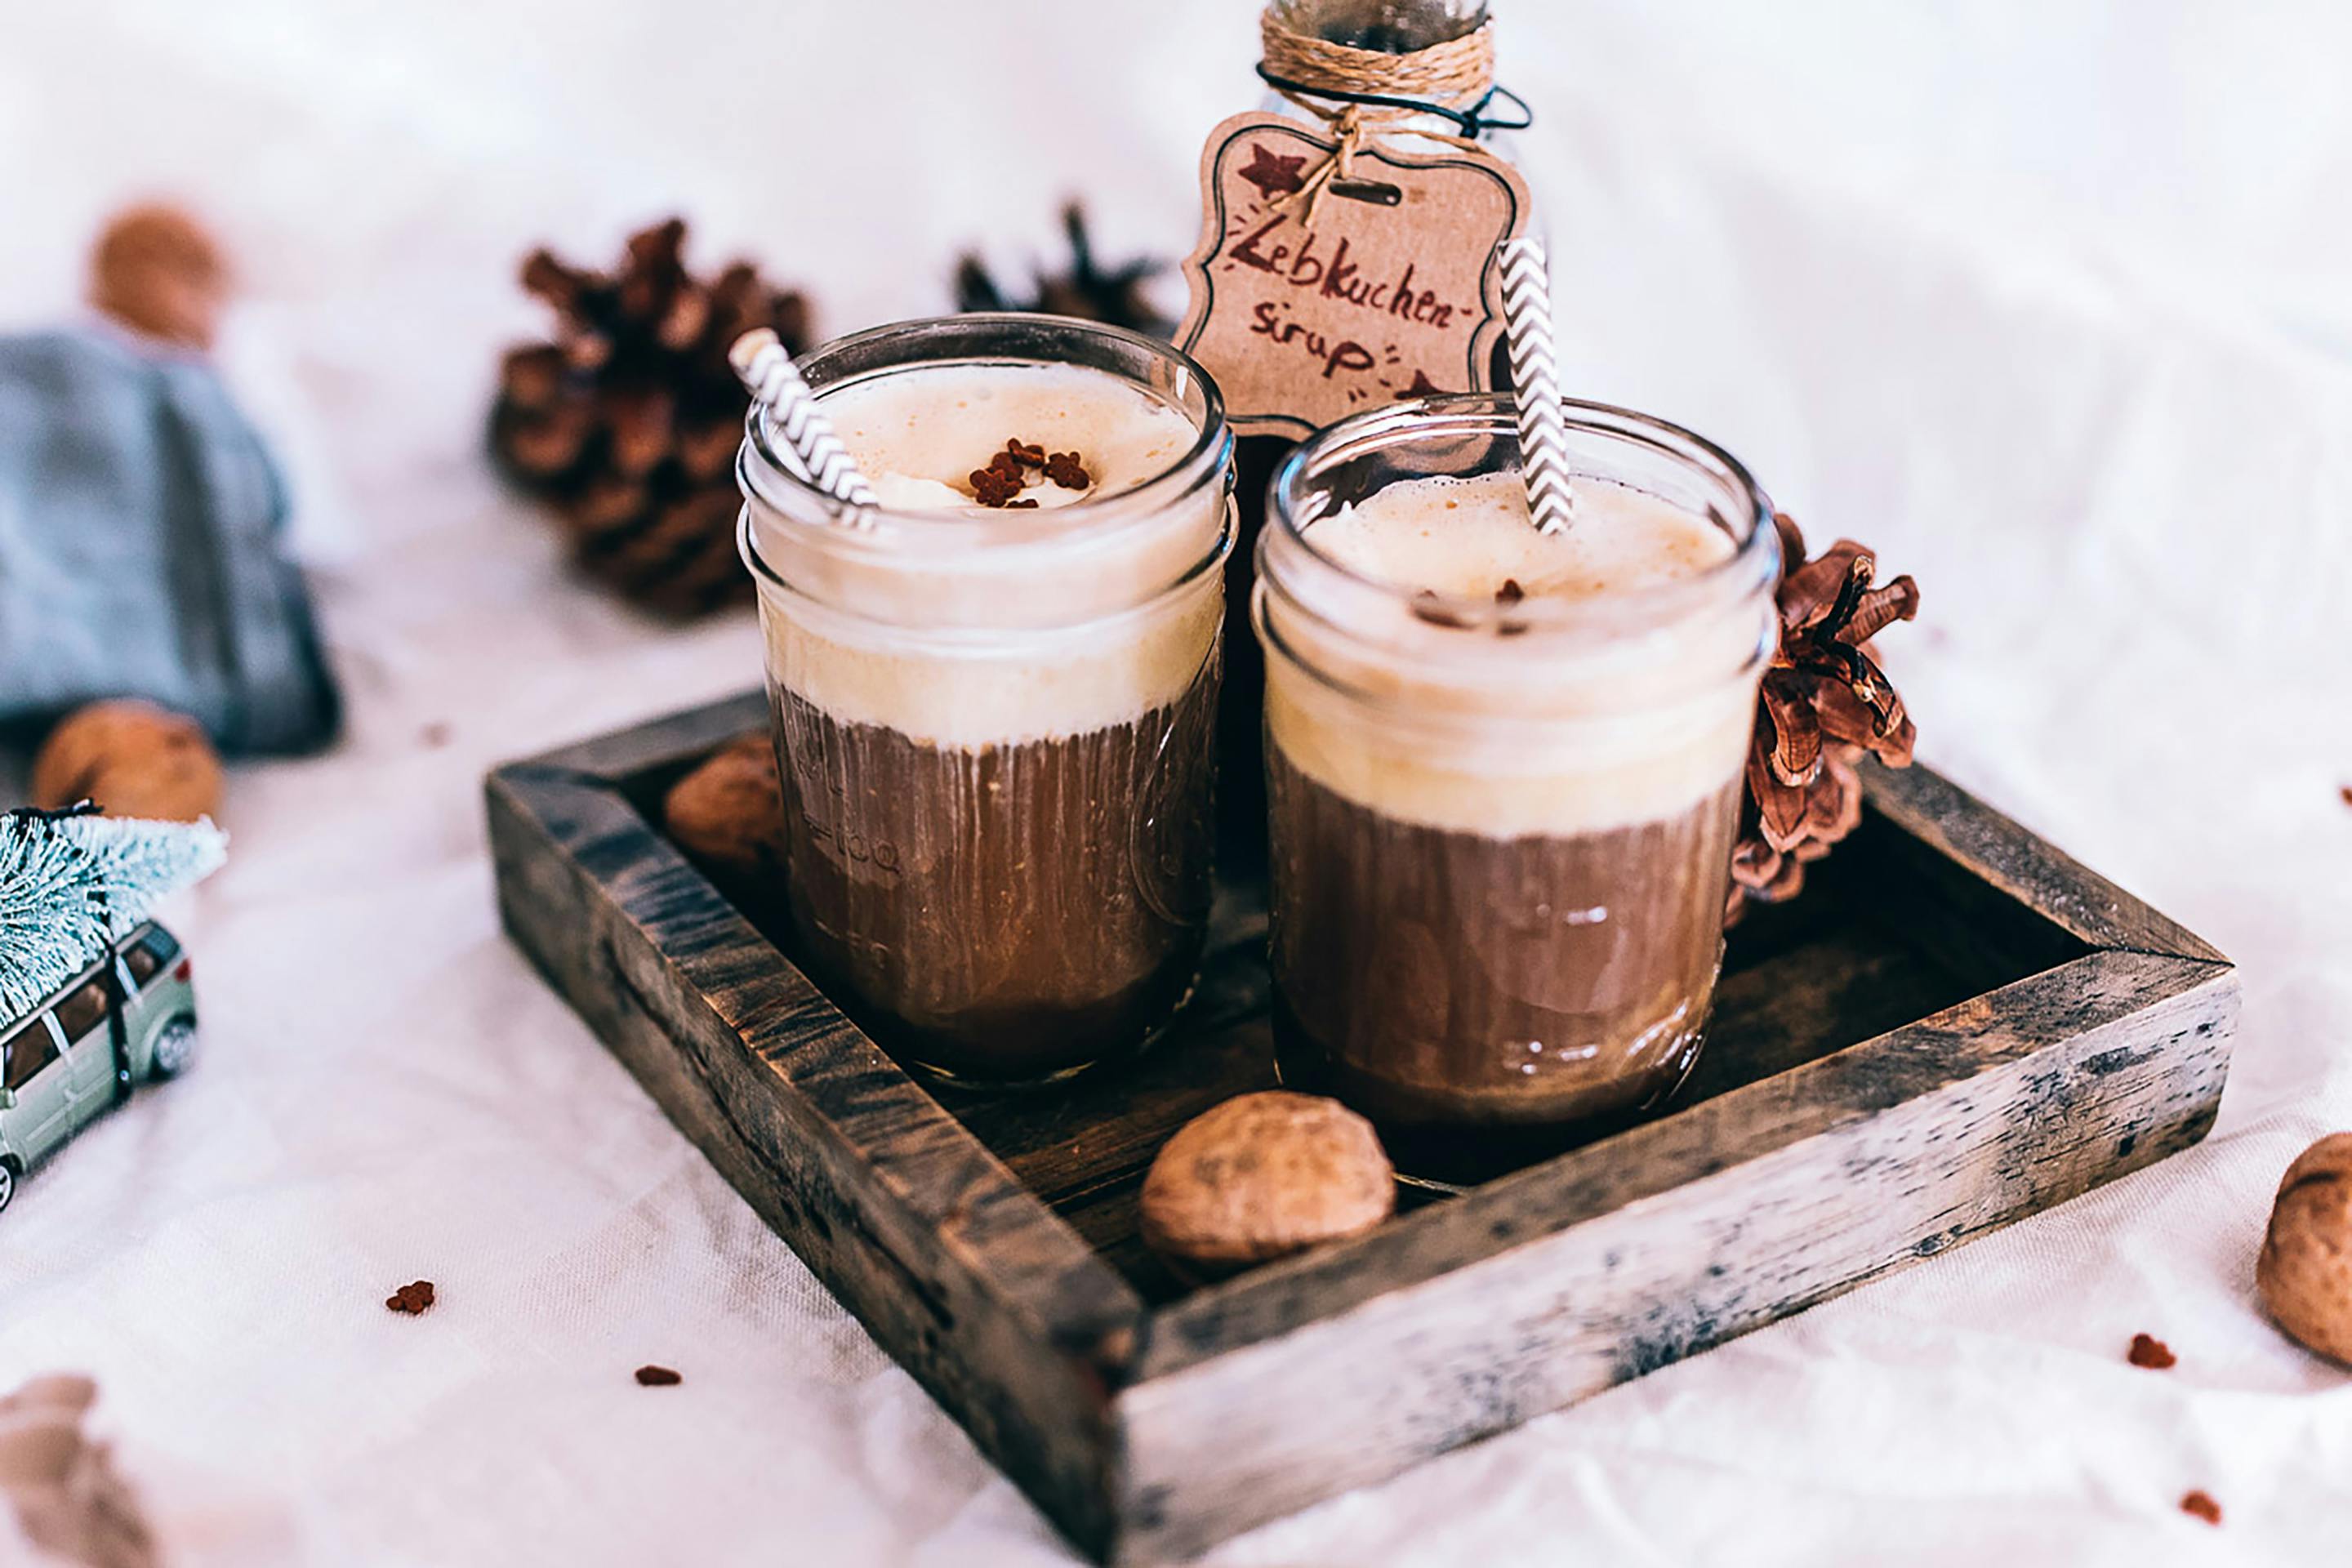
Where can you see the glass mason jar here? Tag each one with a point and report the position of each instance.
(1502, 830)
(993, 727)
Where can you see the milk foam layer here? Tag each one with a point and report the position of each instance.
(1471, 535)
(918, 434)
(958, 641)
(1527, 721)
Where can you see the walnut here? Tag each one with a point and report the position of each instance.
(1261, 1176)
(157, 271)
(729, 812)
(134, 759)
(2305, 1272)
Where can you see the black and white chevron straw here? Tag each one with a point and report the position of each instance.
(765, 367)
(1535, 374)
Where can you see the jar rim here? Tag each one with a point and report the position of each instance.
(1754, 562)
(775, 485)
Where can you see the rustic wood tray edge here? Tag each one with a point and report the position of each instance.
(1120, 1420)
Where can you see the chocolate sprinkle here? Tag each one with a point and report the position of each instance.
(1001, 483)
(651, 1376)
(411, 1299)
(994, 486)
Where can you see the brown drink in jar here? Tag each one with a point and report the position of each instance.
(1505, 768)
(995, 722)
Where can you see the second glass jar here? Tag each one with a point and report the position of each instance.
(993, 727)
(1502, 824)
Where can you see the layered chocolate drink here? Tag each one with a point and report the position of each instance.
(994, 701)
(1504, 773)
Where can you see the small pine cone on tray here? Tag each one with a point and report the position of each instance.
(1824, 704)
(627, 419)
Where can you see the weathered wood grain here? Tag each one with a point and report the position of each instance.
(1327, 1372)
(2108, 991)
(622, 759)
(1956, 1026)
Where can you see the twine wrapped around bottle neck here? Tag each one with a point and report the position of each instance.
(1325, 79)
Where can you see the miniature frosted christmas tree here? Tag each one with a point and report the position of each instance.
(72, 883)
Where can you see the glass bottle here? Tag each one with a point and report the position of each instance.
(1388, 27)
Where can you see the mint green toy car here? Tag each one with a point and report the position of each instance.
(65, 1064)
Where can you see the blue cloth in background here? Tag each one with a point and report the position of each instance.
(143, 550)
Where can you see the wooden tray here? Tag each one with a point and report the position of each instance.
(1954, 1028)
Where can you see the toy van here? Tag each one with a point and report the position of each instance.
(76, 1057)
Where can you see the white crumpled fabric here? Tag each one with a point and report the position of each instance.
(2051, 303)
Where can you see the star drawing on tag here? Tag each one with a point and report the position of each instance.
(1274, 175)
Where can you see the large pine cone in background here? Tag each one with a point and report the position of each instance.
(627, 421)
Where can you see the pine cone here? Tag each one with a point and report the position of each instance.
(629, 419)
(1823, 703)
(1085, 290)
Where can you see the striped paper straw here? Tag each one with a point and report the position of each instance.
(765, 367)
(1535, 375)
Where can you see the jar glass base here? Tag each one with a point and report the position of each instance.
(1446, 1152)
(966, 1080)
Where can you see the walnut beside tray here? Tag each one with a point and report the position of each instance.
(1954, 1027)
